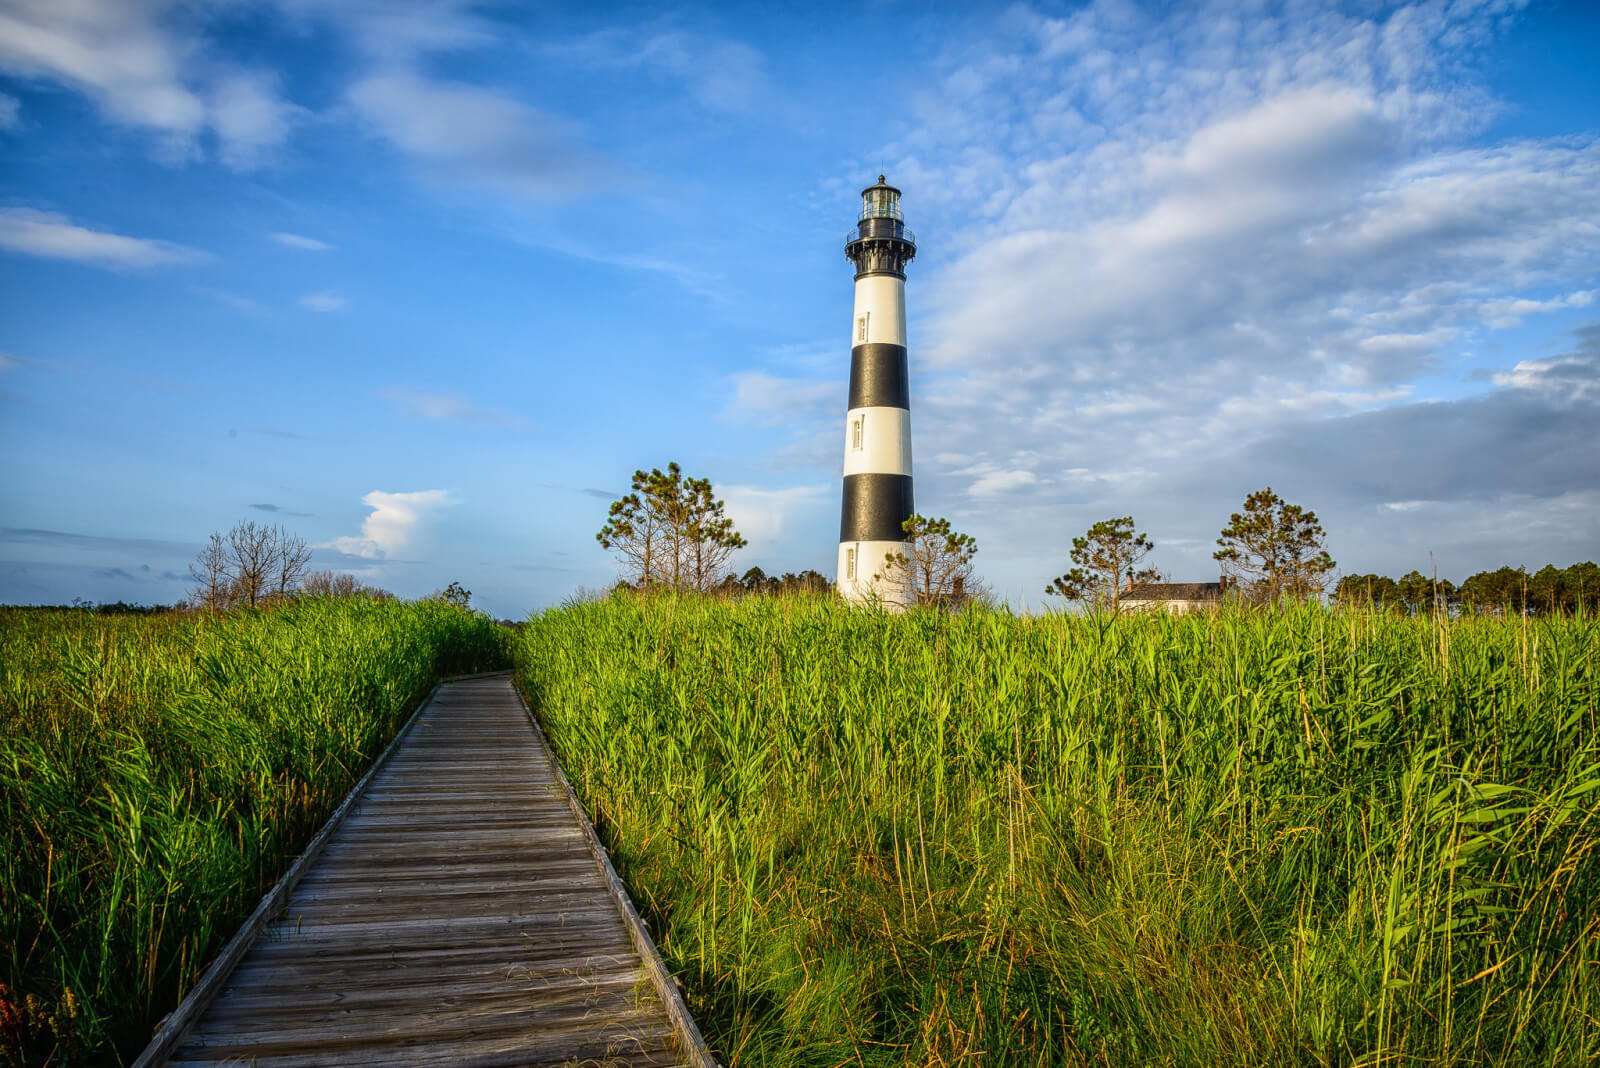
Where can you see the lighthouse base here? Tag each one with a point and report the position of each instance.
(866, 577)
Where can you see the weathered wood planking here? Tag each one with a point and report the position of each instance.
(462, 912)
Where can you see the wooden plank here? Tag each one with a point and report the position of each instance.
(422, 998)
(194, 1002)
(694, 1044)
(461, 913)
(357, 973)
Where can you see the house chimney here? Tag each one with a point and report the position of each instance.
(1130, 584)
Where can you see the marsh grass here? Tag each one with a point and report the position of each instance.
(1304, 837)
(158, 774)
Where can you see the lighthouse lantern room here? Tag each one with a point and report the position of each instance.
(877, 441)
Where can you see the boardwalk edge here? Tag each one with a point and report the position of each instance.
(693, 1043)
(194, 1003)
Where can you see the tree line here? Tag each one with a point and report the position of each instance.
(1550, 590)
(254, 565)
(670, 532)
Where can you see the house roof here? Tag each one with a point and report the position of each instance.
(1175, 591)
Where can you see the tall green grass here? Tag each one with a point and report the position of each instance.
(1304, 837)
(158, 774)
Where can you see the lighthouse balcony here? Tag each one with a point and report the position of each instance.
(880, 229)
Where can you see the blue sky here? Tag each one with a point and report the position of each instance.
(426, 282)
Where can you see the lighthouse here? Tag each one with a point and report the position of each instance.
(877, 426)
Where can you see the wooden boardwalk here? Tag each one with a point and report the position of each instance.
(459, 913)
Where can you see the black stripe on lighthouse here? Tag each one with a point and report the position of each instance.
(875, 507)
(879, 377)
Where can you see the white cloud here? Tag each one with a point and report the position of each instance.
(1510, 311)
(309, 244)
(392, 33)
(53, 236)
(720, 74)
(450, 407)
(395, 519)
(994, 483)
(761, 396)
(147, 65)
(249, 117)
(323, 302)
(233, 300)
(468, 133)
(764, 515)
(10, 112)
(1574, 377)
(1185, 252)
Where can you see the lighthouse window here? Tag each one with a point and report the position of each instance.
(880, 203)
(849, 563)
(861, 328)
(856, 431)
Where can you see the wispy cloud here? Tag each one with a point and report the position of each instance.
(276, 509)
(309, 244)
(718, 73)
(695, 280)
(454, 408)
(395, 34)
(461, 132)
(97, 542)
(395, 519)
(250, 117)
(52, 236)
(587, 491)
(323, 302)
(150, 66)
(10, 112)
(286, 435)
(233, 300)
(763, 516)
(762, 397)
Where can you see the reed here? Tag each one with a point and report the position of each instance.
(1300, 837)
(158, 774)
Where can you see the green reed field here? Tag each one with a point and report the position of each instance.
(1297, 838)
(158, 774)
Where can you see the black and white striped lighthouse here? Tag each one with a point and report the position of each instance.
(877, 436)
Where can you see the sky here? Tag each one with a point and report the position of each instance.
(426, 282)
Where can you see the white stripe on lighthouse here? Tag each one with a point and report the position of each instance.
(868, 561)
(877, 441)
(881, 298)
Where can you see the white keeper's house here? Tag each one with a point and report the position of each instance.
(1178, 598)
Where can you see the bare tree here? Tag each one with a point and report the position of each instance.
(340, 584)
(253, 552)
(935, 568)
(293, 556)
(248, 565)
(213, 583)
(330, 584)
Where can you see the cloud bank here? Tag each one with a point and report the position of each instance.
(1186, 254)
